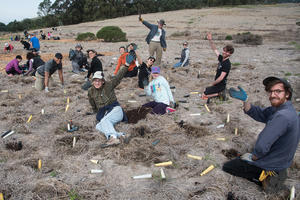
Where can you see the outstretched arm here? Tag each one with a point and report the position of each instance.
(212, 45)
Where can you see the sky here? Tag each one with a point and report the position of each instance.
(18, 10)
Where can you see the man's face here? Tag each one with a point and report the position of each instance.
(58, 61)
(122, 50)
(78, 48)
(97, 83)
(150, 62)
(277, 95)
(225, 53)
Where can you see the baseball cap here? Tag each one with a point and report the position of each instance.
(99, 75)
(185, 42)
(6, 44)
(58, 56)
(161, 21)
(155, 70)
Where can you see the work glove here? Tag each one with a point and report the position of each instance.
(86, 79)
(62, 86)
(241, 95)
(46, 89)
(164, 49)
(129, 59)
(247, 157)
(140, 19)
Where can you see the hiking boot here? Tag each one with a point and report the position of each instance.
(170, 110)
(273, 184)
(222, 95)
(111, 142)
(125, 138)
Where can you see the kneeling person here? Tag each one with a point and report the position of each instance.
(276, 144)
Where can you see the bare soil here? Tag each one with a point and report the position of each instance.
(66, 170)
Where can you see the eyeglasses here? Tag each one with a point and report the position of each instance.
(276, 92)
(98, 80)
(91, 52)
(152, 60)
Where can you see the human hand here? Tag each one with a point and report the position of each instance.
(209, 36)
(241, 95)
(86, 79)
(46, 89)
(247, 157)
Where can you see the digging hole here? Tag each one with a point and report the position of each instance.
(195, 131)
(137, 114)
(230, 153)
(33, 163)
(14, 146)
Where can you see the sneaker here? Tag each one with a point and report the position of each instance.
(170, 110)
(111, 142)
(125, 138)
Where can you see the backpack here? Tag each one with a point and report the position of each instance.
(71, 54)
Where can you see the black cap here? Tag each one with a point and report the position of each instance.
(269, 79)
(58, 56)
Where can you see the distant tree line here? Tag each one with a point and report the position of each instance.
(66, 12)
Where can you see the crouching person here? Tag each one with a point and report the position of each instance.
(159, 89)
(104, 102)
(45, 71)
(276, 144)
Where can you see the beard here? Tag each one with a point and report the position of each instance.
(277, 101)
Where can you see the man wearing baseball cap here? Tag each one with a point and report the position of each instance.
(276, 144)
(156, 39)
(44, 73)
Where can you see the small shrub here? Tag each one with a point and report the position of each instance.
(248, 38)
(111, 34)
(73, 195)
(236, 64)
(180, 34)
(228, 37)
(288, 74)
(86, 36)
(298, 23)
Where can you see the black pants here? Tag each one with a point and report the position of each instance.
(214, 89)
(241, 168)
(132, 73)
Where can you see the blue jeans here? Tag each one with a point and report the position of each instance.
(106, 125)
(179, 64)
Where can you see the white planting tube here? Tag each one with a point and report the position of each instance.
(142, 176)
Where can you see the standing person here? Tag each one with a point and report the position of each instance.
(49, 35)
(276, 144)
(159, 89)
(77, 59)
(96, 64)
(12, 68)
(104, 102)
(132, 70)
(145, 72)
(8, 48)
(44, 73)
(34, 42)
(185, 54)
(156, 39)
(33, 62)
(222, 72)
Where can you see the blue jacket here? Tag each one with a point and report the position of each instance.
(153, 29)
(277, 143)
